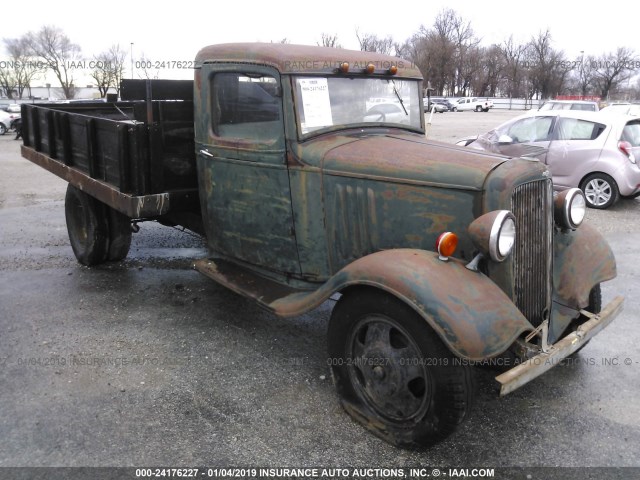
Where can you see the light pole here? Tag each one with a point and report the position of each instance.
(583, 86)
(131, 60)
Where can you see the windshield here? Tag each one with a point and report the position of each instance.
(324, 103)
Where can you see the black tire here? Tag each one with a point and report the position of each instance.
(478, 108)
(454, 109)
(600, 190)
(119, 235)
(392, 373)
(87, 225)
(485, 110)
(3, 129)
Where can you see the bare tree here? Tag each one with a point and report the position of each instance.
(548, 68)
(327, 40)
(372, 43)
(109, 69)
(18, 73)
(489, 72)
(513, 74)
(612, 69)
(56, 49)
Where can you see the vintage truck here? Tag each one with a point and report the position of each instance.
(279, 155)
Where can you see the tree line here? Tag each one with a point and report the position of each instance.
(449, 54)
(455, 63)
(49, 50)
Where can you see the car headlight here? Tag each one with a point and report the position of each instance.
(494, 234)
(569, 208)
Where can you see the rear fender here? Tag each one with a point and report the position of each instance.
(471, 314)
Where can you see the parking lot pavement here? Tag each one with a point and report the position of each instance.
(146, 362)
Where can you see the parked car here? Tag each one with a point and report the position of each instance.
(596, 152)
(570, 105)
(435, 104)
(623, 108)
(13, 108)
(387, 112)
(6, 121)
(441, 105)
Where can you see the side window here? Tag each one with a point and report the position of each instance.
(246, 107)
(536, 129)
(574, 129)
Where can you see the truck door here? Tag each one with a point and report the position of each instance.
(244, 181)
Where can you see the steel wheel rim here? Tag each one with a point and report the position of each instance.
(598, 192)
(386, 368)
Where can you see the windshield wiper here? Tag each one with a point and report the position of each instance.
(395, 90)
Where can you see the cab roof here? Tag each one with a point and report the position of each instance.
(305, 59)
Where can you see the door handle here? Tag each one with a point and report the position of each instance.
(206, 153)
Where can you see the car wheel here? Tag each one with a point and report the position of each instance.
(485, 110)
(3, 129)
(392, 373)
(600, 190)
(478, 108)
(454, 109)
(87, 225)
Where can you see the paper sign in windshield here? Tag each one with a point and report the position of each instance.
(316, 103)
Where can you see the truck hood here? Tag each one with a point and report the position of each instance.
(403, 158)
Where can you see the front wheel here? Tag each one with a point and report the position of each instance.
(3, 129)
(600, 190)
(478, 108)
(392, 373)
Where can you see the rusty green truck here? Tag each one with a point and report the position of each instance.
(308, 172)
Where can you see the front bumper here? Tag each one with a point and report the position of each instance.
(532, 368)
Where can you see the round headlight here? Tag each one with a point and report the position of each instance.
(494, 234)
(502, 236)
(506, 236)
(570, 208)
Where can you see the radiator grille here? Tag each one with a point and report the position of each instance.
(531, 204)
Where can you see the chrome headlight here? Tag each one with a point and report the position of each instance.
(494, 234)
(569, 208)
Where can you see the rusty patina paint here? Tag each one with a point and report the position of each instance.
(466, 309)
(304, 59)
(474, 318)
(582, 260)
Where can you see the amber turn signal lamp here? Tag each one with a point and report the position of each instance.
(344, 67)
(370, 68)
(393, 69)
(446, 245)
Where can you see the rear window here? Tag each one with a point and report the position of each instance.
(631, 134)
(575, 129)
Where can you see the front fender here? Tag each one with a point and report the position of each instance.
(470, 313)
(582, 260)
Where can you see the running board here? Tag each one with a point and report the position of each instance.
(283, 300)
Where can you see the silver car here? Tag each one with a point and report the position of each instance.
(590, 150)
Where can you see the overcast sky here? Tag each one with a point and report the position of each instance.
(177, 30)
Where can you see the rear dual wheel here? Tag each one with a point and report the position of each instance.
(97, 232)
(392, 373)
